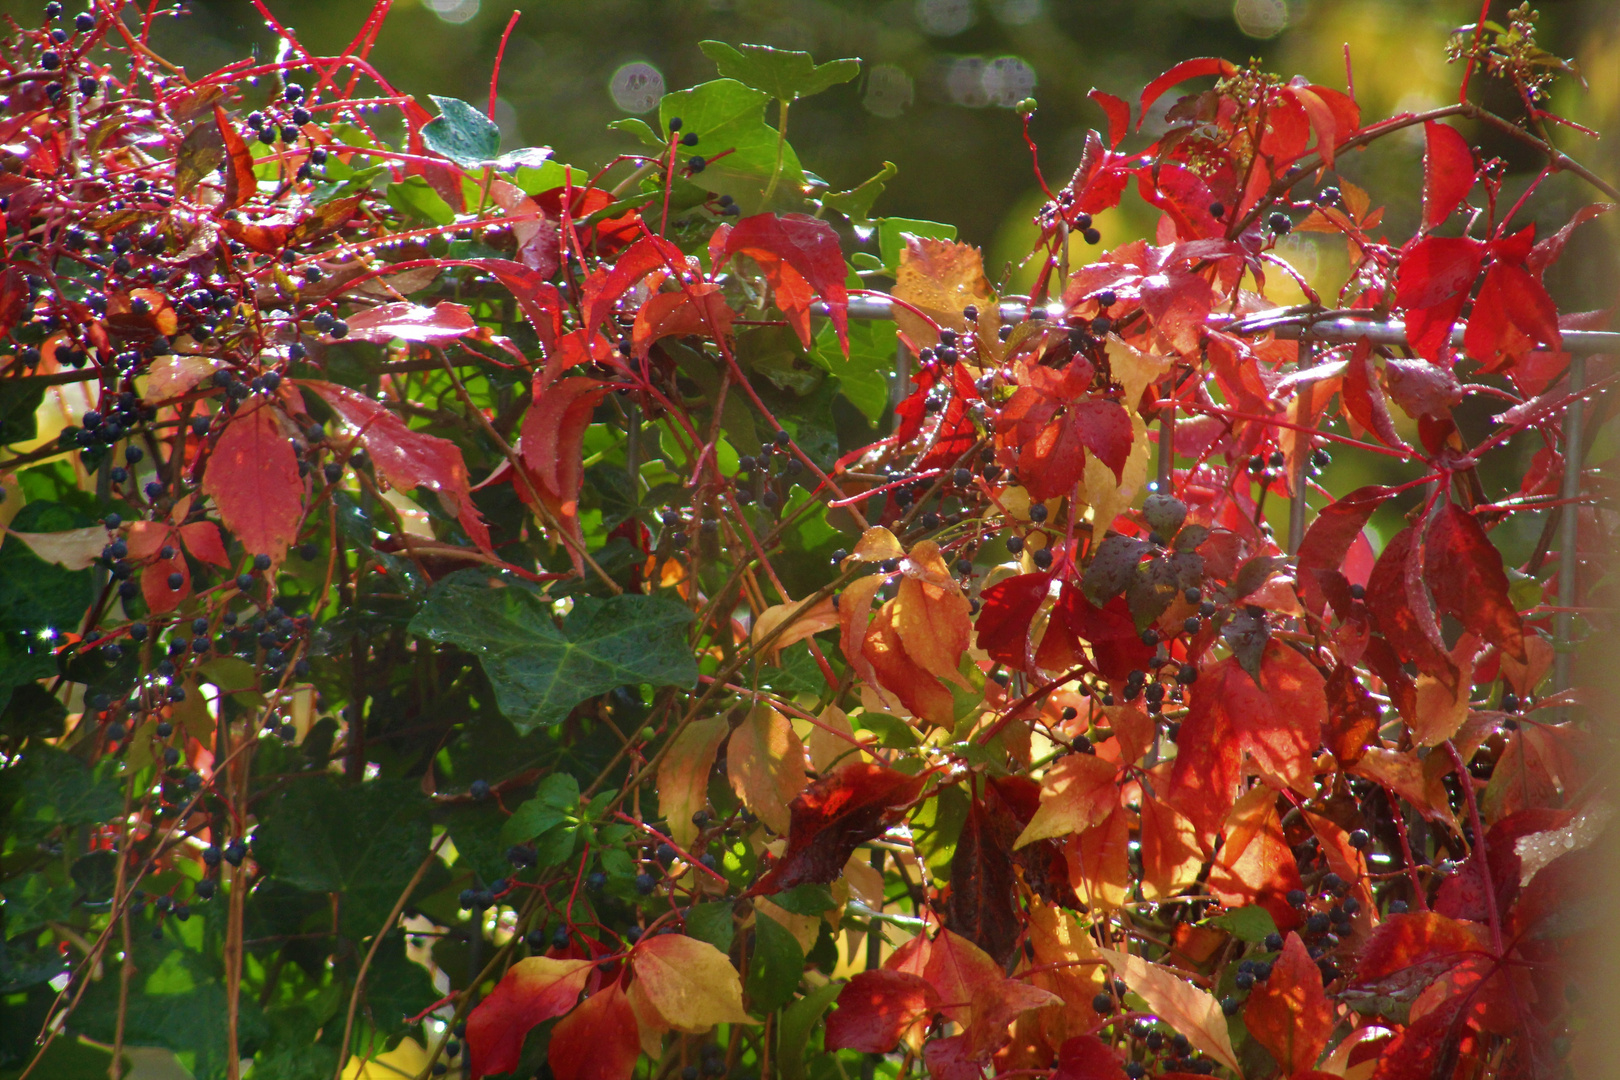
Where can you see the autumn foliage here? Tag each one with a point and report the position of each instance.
(466, 608)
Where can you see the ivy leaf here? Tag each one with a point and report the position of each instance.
(362, 842)
(785, 74)
(541, 670)
(461, 133)
(51, 787)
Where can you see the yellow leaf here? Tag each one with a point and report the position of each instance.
(406, 1059)
(827, 748)
(1077, 792)
(75, 549)
(1134, 369)
(1441, 710)
(766, 763)
(875, 545)
(649, 1024)
(683, 775)
(172, 375)
(1187, 1009)
(689, 983)
(941, 278)
(1108, 497)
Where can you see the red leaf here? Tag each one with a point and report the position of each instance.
(408, 458)
(413, 322)
(1104, 427)
(1417, 947)
(1511, 315)
(1277, 722)
(1119, 115)
(160, 598)
(697, 310)
(1363, 399)
(1431, 1047)
(1009, 607)
(1086, 1057)
(1422, 389)
(253, 479)
(240, 183)
(1401, 607)
(1431, 284)
(607, 284)
(982, 905)
(551, 446)
(539, 299)
(835, 815)
(202, 539)
(600, 1040)
(809, 246)
(875, 1008)
(1547, 251)
(1109, 632)
(1328, 540)
(950, 1059)
(1465, 571)
(532, 991)
(1187, 69)
(1289, 1013)
(789, 289)
(1448, 172)
(14, 298)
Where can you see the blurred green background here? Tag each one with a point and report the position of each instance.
(940, 77)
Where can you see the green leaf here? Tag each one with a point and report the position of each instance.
(415, 197)
(784, 74)
(711, 922)
(52, 788)
(539, 670)
(35, 594)
(396, 987)
(19, 401)
(32, 713)
(726, 115)
(807, 899)
(856, 203)
(555, 802)
(363, 841)
(775, 967)
(863, 378)
(798, 1021)
(461, 133)
(1252, 923)
(641, 130)
(19, 668)
(32, 901)
(892, 233)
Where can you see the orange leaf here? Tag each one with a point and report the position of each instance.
(1099, 860)
(683, 775)
(697, 311)
(934, 620)
(1187, 1009)
(1077, 792)
(765, 761)
(1289, 1013)
(941, 278)
(533, 990)
(1255, 865)
(1170, 855)
(816, 618)
(253, 479)
(902, 676)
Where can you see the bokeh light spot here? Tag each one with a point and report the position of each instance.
(946, 18)
(455, 12)
(636, 87)
(888, 91)
(1008, 80)
(1261, 18)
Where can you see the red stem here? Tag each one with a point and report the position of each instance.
(500, 53)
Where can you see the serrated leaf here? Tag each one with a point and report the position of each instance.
(541, 670)
(1112, 568)
(556, 801)
(690, 983)
(461, 133)
(785, 74)
(641, 131)
(727, 115)
(711, 922)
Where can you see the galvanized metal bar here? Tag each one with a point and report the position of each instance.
(1296, 506)
(1568, 562)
